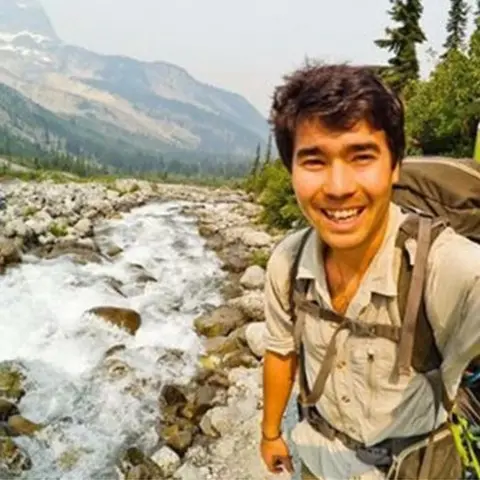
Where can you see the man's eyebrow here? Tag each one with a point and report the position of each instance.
(309, 152)
(362, 147)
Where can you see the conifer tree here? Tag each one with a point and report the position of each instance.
(402, 41)
(474, 50)
(456, 25)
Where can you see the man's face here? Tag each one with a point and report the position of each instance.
(343, 182)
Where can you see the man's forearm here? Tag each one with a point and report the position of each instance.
(278, 378)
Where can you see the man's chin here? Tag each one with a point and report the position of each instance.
(348, 241)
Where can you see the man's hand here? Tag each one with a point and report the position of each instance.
(275, 454)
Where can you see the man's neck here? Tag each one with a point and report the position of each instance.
(354, 262)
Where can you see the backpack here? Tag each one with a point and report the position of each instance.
(437, 192)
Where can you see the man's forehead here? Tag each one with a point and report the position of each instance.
(314, 134)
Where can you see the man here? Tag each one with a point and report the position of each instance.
(340, 132)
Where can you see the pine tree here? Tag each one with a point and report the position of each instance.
(256, 161)
(401, 41)
(456, 25)
(474, 50)
(268, 153)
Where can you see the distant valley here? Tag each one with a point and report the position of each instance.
(124, 113)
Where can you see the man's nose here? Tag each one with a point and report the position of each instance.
(340, 180)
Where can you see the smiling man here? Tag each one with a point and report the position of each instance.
(340, 133)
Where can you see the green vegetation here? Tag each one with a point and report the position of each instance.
(442, 111)
(402, 40)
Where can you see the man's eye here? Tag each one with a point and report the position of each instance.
(314, 161)
(366, 157)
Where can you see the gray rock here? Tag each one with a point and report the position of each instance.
(167, 460)
(255, 336)
(253, 278)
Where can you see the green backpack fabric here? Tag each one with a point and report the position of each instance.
(442, 187)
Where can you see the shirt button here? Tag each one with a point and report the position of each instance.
(341, 364)
(345, 399)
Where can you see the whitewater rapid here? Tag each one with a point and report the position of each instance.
(91, 411)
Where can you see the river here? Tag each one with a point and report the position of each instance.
(92, 412)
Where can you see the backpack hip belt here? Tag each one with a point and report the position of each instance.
(380, 455)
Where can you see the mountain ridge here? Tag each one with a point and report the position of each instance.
(160, 105)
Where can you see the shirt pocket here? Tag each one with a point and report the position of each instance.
(317, 335)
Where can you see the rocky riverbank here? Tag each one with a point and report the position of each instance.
(208, 428)
(212, 426)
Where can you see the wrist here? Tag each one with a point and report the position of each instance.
(266, 438)
(271, 434)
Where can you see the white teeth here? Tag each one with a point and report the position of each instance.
(342, 214)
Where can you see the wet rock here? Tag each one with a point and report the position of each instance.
(115, 368)
(125, 318)
(18, 425)
(113, 250)
(11, 381)
(7, 409)
(9, 253)
(70, 458)
(201, 403)
(173, 395)
(81, 253)
(221, 321)
(178, 436)
(135, 465)
(13, 459)
(209, 362)
(114, 349)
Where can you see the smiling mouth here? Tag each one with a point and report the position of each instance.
(343, 215)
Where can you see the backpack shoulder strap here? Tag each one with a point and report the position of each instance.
(417, 346)
(293, 272)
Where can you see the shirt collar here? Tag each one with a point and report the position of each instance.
(380, 276)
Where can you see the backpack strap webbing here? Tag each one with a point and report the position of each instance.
(418, 348)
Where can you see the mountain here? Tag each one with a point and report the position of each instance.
(114, 108)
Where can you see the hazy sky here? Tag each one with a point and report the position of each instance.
(242, 45)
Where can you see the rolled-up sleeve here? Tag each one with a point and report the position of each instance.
(453, 304)
(279, 331)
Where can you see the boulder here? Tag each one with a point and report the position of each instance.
(13, 459)
(167, 460)
(12, 380)
(255, 337)
(135, 465)
(221, 321)
(9, 252)
(251, 304)
(253, 278)
(124, 318)
(18, 425)
(7, 409)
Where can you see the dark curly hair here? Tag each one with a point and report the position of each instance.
(339, 96)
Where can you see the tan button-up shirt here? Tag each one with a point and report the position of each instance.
(360, 397)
